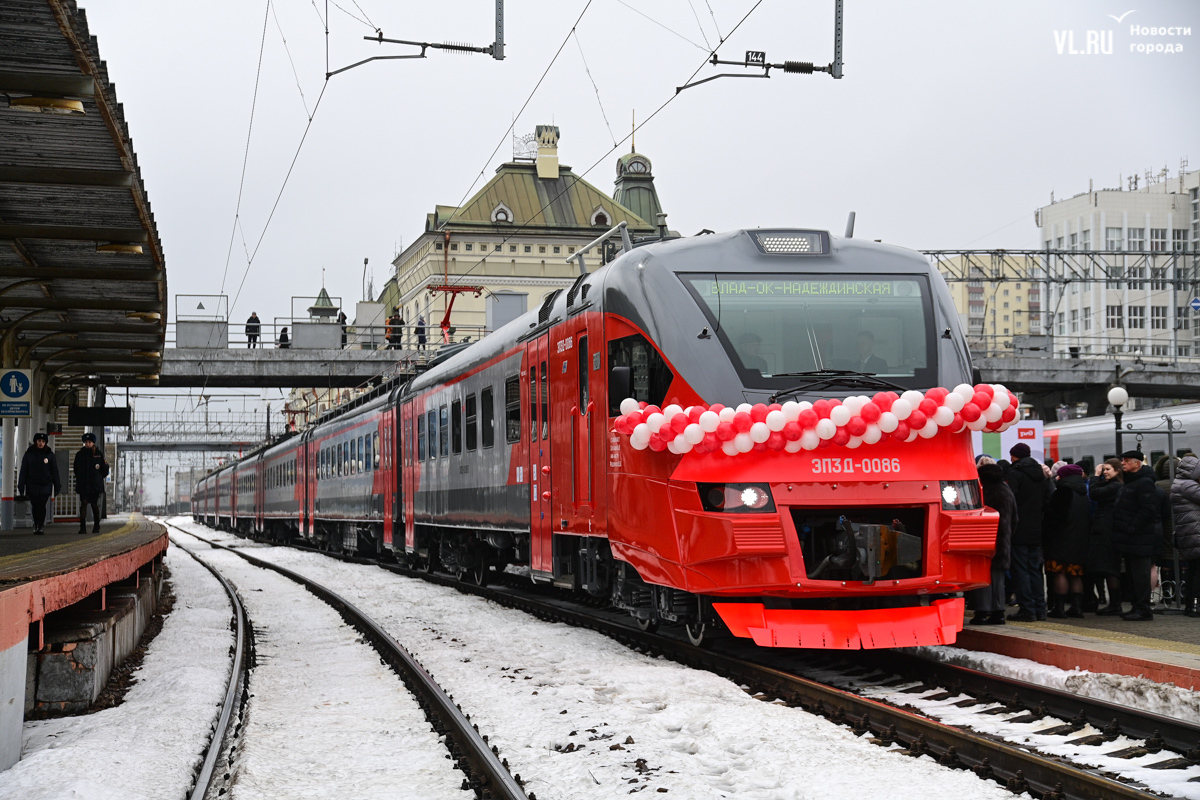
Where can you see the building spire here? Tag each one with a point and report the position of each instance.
(633, 133)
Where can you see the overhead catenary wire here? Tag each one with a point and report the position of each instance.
(600, 102)
(703, 34)
(288, 50)
(672, 31)
(717, 27)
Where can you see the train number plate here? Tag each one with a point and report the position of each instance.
(851, 466)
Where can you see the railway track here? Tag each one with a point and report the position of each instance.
(486, 773)
(838, 688)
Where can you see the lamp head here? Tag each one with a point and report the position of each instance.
(1118, 396)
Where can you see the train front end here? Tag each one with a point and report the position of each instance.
(800, 462)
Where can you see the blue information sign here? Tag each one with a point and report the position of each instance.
(15, 385)
(1195, 304)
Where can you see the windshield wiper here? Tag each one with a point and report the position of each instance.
(828, 378)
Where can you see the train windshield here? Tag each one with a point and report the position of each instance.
(777, 325)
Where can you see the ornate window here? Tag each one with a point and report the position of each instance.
(600, 218)
(502, 214)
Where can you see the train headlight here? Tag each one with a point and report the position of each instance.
(736, 498)
(961, 495)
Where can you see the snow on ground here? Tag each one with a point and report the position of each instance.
(326, 718)
(1166, 699)
(149, 746)
(561, 704)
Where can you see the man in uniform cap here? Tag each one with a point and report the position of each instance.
(91, 469)
(1137, 534)
(39, 479)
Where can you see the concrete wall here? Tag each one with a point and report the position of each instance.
(13, 663)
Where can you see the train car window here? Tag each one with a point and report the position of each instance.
(545, 400)
(472, 423)
(650, 377)
(583, 374)
(533, 404)
(421, 438)
(512, 409)
(456, 426)
(364, 458)
(341, 458)
(355, 461)
(432, 415)
(375, 448)
(443, 431)
(489, 417)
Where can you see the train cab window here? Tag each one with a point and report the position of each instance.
(533, 404)
(375, 449)
(472, 423)
(512, 409)
(421, 438)
(649, 376)
(443, 431)
(489, 415)
(456, 426)
(545, 400)
(584, 363)
(432, 415)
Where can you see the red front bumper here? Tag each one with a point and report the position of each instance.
(937, 623)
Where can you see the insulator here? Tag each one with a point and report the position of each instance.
(802, 67)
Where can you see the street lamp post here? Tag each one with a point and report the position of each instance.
(1118, 397)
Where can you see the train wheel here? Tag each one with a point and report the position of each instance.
(647, 625)
(697, 634)
(480, 574)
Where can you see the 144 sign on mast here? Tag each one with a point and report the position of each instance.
(15, 391)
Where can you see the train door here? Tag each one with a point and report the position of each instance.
(571, 430)
(541, 513)
(411, 466)
(384, 476)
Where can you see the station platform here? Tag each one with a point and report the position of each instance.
(43, 574)
(1165, 650)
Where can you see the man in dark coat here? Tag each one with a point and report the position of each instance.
(989, 600)
(1136, 530)
(39, 479)
(91, 468)
(1103, 563)
(253, 329)
(1032, 488)
(1066, 533)
(1185, 507)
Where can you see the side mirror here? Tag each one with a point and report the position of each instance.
(620, 386)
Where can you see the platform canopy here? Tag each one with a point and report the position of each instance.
(83, 284)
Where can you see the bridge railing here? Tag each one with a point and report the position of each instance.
(304, 333)
(1164, 350)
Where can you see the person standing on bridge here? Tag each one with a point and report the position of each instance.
(1032, 489)
(285, 341)
(1185, 506)
(253, 329)
(420, 331)
(394, 330)
(39, 479)
(341, 318)
(1137, 530)
(91, 468)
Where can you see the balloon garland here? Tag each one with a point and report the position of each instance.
(791, 427)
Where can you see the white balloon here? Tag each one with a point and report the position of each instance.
(900, 409)
(912, 397)
(853, 404)
(641, 433)
(792, 447)
(709, 422)
(655, 421)
(671, 447)
(629, 405)
(693, 433)
(965, 391)
(1000, 398)
(745, 407)
(944, 416)
(791, 411)
(759, 432)
(854, 442)
(727, 414)
(743, 442)
(888, 422)
(809, 440)
(804, 405)
(978, 424)
(639, 444)
(840, 415)
(776, 420)
(912, 436)
(682, 445)
(954, 402)
(671, 410)
(873, 434)
(994, 413)
(826, 429)
(929, 431)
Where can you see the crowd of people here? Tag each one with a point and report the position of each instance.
(1070, 544)
(394, 332)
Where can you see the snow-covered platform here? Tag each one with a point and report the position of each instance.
(43, 574)
(1166, 650)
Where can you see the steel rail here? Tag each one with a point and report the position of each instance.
(486, 772)
(204, 777)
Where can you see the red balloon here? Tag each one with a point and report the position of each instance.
(883, 401)
(694, 414)
(928, 406)
(679, 422)
(970, 412)
(635, 419)
(857, 426)
(725, 431)
(988, 390)
(982, 400)
(937, 394)
(822, 444)
(841, 437)
(792, 431)
(742, 421)
(808, 418)
(716, 408)
(958, 423)
(901, 432)
(1013, 401)
(760, 447)
(622, 426)
(657, 444)
(1009, 414)
(774, 407)
(641, 404)
(758, 413)
(776, 441)
(870, 412)
(916, 420)
(822, 408)
(648, 410)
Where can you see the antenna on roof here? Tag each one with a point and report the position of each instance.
(850, 226)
